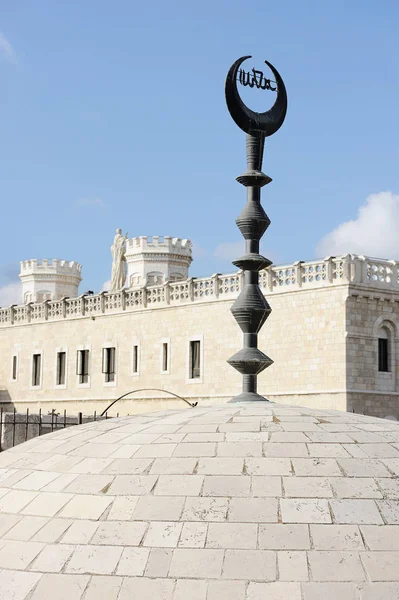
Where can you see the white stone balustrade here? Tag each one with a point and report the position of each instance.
(331, 271)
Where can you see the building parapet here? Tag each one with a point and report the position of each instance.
(332, 271)
(54, 267)
(161, 243)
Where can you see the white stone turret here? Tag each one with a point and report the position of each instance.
(155, 260)
(49, 279)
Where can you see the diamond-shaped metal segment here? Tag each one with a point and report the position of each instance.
(251, 309)
(250, 361)
(248, 397)
(253, 221)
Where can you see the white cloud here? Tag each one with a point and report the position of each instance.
(198, 251)
(230, 250)
(374, 232)
(90, 202)
(11, 294)
(6, 49)
(106, 286)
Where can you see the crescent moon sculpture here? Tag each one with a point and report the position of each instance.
(251, 308)
(256, 124)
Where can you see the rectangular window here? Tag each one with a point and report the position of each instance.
(14, 368)
(165, 357)
(383, 355)
(82, 366)
(61, 365)
(195, 359)
(135, 359)
(109, 364)
(36, 369)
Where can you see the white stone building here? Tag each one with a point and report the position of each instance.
(333, 336)
(49, 280)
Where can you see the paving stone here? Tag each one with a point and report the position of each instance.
(250, 564)
(266, 486)
(355, 487)
(99, 560)
(132, 485)
(203, 437)
(52, 531)
(155, 451)
(133, 562)
(163, 534)
(226, 590)
(253, 510)
(62, 587)
(119, 533)
(158, 563)
(288, 437)
(292, 566)
(378, 591)
(284, 537)
(122, 508)
(25, 528)
(193, 535)
(274, 591)
(90, 484)
(381, 566)
(52, 558)
(234, 427)
(220, 466)
(389, 487)
(307, 487)
(379, 537)
(36, 480)
(268, 466)
(16, 585)
(7, 522)
(356, 511)
(206, 564)
(173, 466)
(91, 465)
(226, 485)
(80, 532)
(305, 511)
(205, 509)
(125, 451)
(380, 451)
(239, 449)
(178, 485)
(16, 500)
(92, 450)
(61, 483)
(103, 588)
(336, 537)
(159, 508)
(140, 588)
(361, 467)
(247, 436)
(86, 507)
(327, 451)
(195, 449)
(191, 589)
(129, 466)
(232, 535)
(389, 510)
(392, 464)
(316, 467)
(285, 449)
(335, 566)
(18, 555)
(330, 591)
(329, 438)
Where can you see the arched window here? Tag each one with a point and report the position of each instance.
(175, 277)
(384, 349)
(155, 278)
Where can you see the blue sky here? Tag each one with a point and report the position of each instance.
(113, 115)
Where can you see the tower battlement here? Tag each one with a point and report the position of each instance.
(156, 259)
(49, 279)
(159, 243)
(52, 266)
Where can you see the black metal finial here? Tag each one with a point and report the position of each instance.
(251, 308)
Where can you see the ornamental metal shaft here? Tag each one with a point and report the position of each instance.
(251, 308)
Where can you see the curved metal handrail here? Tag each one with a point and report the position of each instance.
(192, 404)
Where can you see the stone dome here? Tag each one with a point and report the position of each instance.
(233, 502)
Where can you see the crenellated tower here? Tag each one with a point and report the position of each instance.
(49, 279)
(155, 260)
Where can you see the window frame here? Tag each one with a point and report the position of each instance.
(36, 386)
(192, 380)
(87, 383)
(59, 351)
(135, 358)
(108, 365)
(14, 361)
(384, 355)
(165, 343)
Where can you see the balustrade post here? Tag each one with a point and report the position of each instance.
(29, 311)
(269, 276)
(167, 292)
(82, 304)
(102, 301)
(215, 278)
(46, 303)
(123, 298)
(298, 269)
(190, 282)
(63, 300)
(145, 296)
(12, 314)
